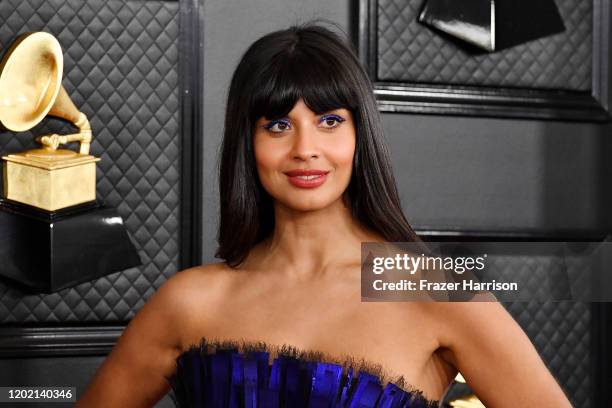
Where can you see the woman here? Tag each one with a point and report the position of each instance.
(305, 178)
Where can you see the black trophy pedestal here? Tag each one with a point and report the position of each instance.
(45, 251)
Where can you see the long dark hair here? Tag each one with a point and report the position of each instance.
(313, 63)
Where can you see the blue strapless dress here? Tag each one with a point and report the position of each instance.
(227, 374)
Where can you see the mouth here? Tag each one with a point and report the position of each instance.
(306, 178)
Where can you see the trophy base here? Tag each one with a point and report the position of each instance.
(43, 251)
(50, 182)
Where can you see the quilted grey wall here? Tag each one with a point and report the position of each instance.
(121, 69)
(561, 332)
(411, 52)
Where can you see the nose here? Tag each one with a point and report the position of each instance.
(304, 145)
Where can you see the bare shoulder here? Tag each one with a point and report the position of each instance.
(208, 277)
(456, 319)
(175, 301)
(453, 323)
(130, 376)
(195, 287)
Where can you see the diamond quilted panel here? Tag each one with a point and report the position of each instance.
(541, 277)
(411, 52)
(560, 332)
(121, 69)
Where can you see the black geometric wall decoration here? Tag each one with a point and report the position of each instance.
(493, 25)
(472, 21)
(563, 76)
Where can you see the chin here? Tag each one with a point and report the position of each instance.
(300, 203)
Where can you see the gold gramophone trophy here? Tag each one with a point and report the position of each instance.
(50, 205)
(30, 88)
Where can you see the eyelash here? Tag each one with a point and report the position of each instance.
(339, 119)
(272, 123)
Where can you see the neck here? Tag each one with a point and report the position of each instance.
(311, 244)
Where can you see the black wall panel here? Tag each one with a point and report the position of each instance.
(416, 69)
(121, 68)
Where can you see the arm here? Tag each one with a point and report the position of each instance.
(496, 357)
(133, 373)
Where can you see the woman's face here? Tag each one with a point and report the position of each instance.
(305, 160)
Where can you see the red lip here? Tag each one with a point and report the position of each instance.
(299, 172)
(294, 178)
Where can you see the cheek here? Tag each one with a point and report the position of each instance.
(343, 153)
(264, 156)
(268, 159)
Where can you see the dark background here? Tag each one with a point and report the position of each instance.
(454, 173)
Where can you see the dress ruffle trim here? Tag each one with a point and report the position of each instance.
(236, 374)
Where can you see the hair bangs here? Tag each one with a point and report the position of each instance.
(315, 78)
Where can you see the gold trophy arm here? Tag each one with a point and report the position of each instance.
(64, 108)
(54, 141)
(85, 131)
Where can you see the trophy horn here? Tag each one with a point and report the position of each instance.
(31, 88)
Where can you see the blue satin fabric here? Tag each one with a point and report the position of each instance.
(229, 379)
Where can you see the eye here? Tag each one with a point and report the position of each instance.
(277, 126)
(331, 121)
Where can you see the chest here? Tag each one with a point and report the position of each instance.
(331, 320)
